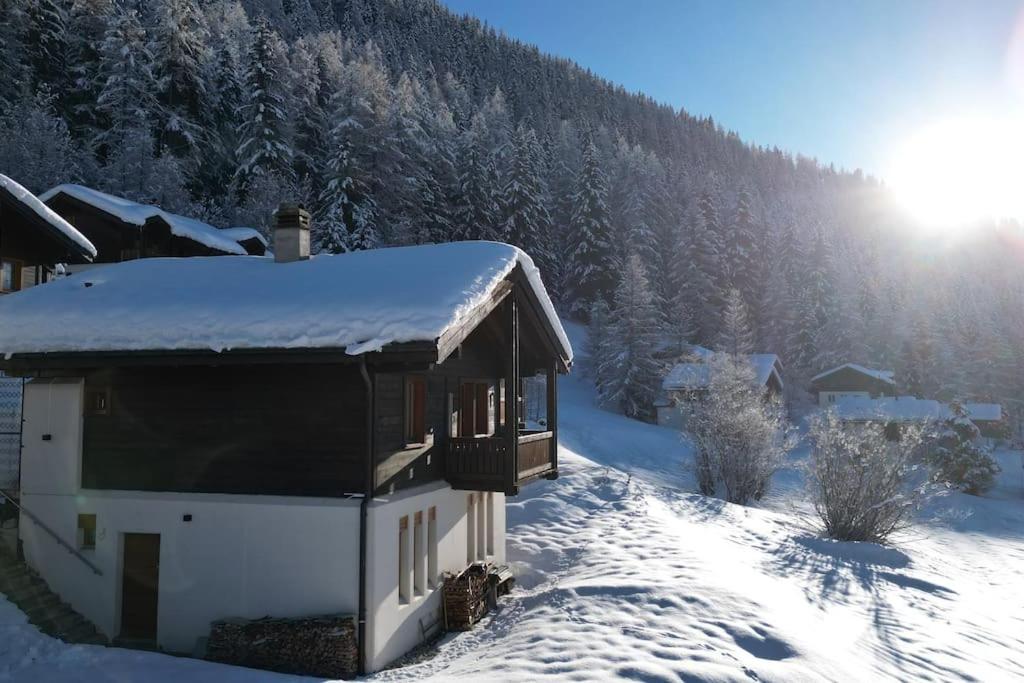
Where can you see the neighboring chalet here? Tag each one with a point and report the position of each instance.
(34, 239)
(689, 381)
(244, 437)
(852, 381)
(893, 411)
(123, 230)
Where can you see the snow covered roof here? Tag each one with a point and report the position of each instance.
(36, 206)
(886, 376)
(359, 302)
(243, 234)
(134, 213)
(989, 412)
(697, 375)
(891, 409)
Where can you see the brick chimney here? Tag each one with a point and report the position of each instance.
(291, 233)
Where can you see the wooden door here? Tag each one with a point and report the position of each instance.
(140, 587)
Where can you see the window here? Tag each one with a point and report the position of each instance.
(490, 523)
(419, 555)
(415, 410)
(481, 528)
(403, 560)
(97, 402)
(471, 528)
(8, 276)
(86, 532)
(432, 547)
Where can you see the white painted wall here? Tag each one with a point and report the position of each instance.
(244, 556)
(394, 627)
(828, 398)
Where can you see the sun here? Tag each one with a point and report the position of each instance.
(957, 171)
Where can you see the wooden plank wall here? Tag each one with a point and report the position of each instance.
(284, 430)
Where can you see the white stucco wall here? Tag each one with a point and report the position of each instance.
(245, 556)
(394, 626)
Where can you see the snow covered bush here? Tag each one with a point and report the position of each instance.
(958, 459)
(864, 486)
(741, 436)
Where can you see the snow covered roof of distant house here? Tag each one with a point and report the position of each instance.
(358, 302)
(988, 412)
(886, 376)
(890, 409)
(134, 213)
(242, 234)
(61, 227)
(695, 375)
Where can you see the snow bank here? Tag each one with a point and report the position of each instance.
(134, 213)
(360, 301)
(47, 214)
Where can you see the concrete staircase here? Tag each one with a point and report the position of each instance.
(44, 608)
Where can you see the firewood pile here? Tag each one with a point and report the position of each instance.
(469, 595)
(323, 646)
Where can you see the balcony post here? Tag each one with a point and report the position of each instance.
(512, 398)
(552, 414)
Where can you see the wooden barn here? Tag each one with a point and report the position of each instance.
(340, 430)
(123, 230)
(34, 239)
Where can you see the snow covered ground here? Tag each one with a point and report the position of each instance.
(625, 573)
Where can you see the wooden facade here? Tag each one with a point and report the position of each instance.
(117, 240)
(848, 379)
(30, 247)
(294, 422)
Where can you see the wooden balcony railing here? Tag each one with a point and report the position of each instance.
(482, 463)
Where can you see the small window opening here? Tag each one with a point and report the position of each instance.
(86, 532)
(471, 529)
(432, 547)
(415, 410)
(419, 555)
(403, 560)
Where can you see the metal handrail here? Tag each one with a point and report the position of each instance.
(60, 541)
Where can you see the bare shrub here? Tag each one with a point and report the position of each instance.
(864, 486)
(741, 436)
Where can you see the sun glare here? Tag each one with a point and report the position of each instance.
(959, 171)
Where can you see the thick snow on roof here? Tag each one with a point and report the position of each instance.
(134, 213)
(360, 301)
(242, 234)
(992, 412)
(47, 214)
(883, 375)
(891, 409)
(697, 374)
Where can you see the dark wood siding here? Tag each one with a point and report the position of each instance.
(849, 379)
(285, 430)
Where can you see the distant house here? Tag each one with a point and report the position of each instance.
(852, 381)
(287, 437)
(689, 381)
(34, 239)
(123, 230)
(989, 419)
(893, 411)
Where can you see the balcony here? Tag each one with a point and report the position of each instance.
(489, 464)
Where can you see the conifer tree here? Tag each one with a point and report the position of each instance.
(740, 262)
(592, 268)
(125, 97)
(477, 210)
(45, 43)
(87, 25)
(181, 54)
(734, 334)
(527, 221)
(628, 375)
(264, 146)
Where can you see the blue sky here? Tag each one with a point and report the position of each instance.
(839, 80)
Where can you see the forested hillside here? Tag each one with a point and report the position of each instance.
(395, 121)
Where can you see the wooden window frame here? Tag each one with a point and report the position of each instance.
(404, 564)
(16, 267)
(432, 547)
(419, 556)
(415, 410)
(87, 532)
(93, 397)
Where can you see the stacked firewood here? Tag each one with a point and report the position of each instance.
(323, 646)
(467, 596)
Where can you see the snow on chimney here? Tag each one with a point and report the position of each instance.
(291, 233)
